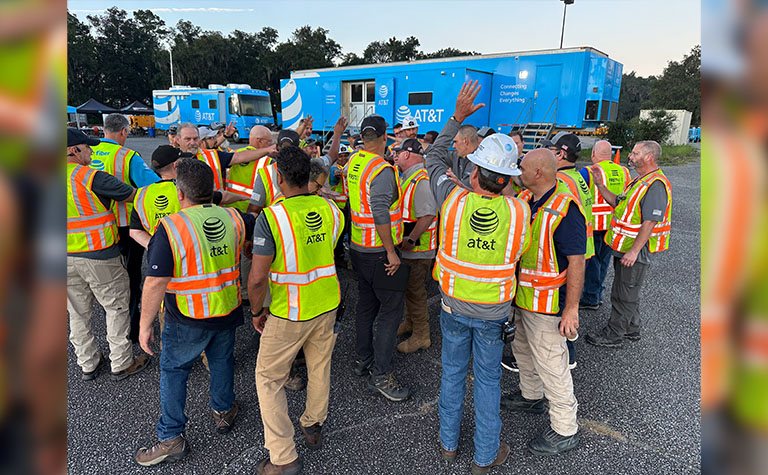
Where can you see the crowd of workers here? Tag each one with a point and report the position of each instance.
(518, 243)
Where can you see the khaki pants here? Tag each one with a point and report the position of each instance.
(107, 280)
(416, 297)
(279, 344)
(542, 357)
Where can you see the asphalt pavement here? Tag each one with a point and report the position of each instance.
(638, 405)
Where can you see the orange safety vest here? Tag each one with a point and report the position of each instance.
(211, 158)
(90, 225)
(601, 209)
(428, 239)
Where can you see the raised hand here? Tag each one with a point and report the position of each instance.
(465, 102)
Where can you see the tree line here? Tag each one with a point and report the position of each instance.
(117, 58)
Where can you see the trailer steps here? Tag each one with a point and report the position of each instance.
(534, 132)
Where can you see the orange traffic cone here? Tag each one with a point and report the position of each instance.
(616, 159)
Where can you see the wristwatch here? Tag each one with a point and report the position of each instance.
(410, 241)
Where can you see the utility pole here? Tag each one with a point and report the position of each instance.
(562, 31)
(170, 52)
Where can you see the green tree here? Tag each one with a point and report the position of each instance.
(391, 50)
(635, 95)
(679, 87)
(81, 61)
(447, 53)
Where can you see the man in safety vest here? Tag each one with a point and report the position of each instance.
(94, 265)
(241, 177)
(640, 226)
(483, 234)
(615, 178)
(551, 275)
(111, 156)
(377, 227)
(219, 162)
(419, 243)
(193, 268)
(265, 189)
(293, 255)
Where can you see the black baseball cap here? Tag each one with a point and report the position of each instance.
(164, 155)
(375, 123)
(358, 143)
(172, 130)
(409, 145)
(77, 137)
(288, 135)
(566, 142)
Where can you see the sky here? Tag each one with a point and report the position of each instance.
(644, 35)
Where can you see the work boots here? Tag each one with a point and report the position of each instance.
(419, 339)
(405, 328)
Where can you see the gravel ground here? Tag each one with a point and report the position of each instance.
(638, 406)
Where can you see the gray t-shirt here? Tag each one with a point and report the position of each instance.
(263, 241)
(438, 161)
(652, 208)
(424, 205)
(107, 188)
(383, 195)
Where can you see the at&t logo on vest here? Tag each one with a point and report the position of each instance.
(313, 221)
(215, 231)
(484, 221)
(161, 202)
(97, 164)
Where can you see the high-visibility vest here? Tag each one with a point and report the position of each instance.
(428, 240)
(90, 225)
(240, 179)
(339, 188)
(268, 177)
(302, 277)
(206, 241)
(362, 168)
(538, 289)
(115, 160)
(154, 202)
(211, 158)
(580, 189)
(615, 178)
(482, 238)
(227, 149)
(626, 219)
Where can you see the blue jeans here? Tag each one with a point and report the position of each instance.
(464, 336)
(182, 345)
(595, 270)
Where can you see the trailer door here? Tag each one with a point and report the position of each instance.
(362, 95)
(546, 93)
(485, 80)
(222, 107)
(331, 105)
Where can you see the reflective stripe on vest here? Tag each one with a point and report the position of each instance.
(626, 219)
(363, 167)
(579, 189)
(90, 225)
(240, 179)
(302, 277)
(211, 158)
(268, 176)
(206, 242)
(538, 289)
(428, 240)
(116, 162)
(482, 239)
(154, 202)
(615, 178)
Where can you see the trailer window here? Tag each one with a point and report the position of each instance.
(356, 93)
(169, 105)
(591, 112)
(211, 103)
(420, 99)
(370, 92)
(195, 104)
(604, 111)
(254, 105)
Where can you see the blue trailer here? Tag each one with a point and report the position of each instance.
(234, 102)
(572, 88)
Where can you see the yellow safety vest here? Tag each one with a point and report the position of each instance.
(482, 238)
(302, 277)
(626, 220)
(90, 225)
(428, 240)
(206, 241)
(580, 189)
(154, 202)
(211, 158)
(115, 160)
(615, 178)
(362, 168)
(240, 179)
(268, 176)
(538, 289)
(339, 188)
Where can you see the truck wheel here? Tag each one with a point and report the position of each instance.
(236, 136)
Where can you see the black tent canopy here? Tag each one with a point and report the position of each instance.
(137, 108)
(92, 106)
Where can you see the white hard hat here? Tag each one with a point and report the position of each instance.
(409, 123)
(497, 153)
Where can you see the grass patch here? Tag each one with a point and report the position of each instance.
(671, 155)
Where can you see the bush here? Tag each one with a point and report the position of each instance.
(619, 133)
(658, 127)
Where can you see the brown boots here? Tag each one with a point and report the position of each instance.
(419, 339)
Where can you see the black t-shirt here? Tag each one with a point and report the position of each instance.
(570, 237)
(160, 264)
(225, 159)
